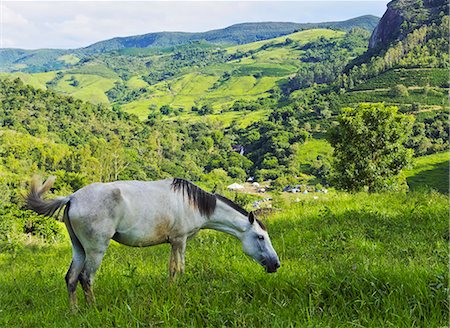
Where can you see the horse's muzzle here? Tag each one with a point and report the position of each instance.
(272, 267)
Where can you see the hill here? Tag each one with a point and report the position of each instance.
(198, 74)
(50, 59)
(235, 34)
(265, 98)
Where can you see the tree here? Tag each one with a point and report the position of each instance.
(205, 110)
(369, 150)
(166, 110)
(399, 90)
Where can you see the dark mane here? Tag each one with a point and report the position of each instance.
(202, 200)
(235, 206)
(232, 204)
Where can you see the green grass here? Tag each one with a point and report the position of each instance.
(95, 69)
(430, 171)
(136, 83)
(91, 88)
(347, 261)
(69, 59)
(37, 80)
(302, 36)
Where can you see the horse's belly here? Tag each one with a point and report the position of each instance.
(139, 240)
(141, 234)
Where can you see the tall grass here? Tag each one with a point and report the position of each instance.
(347, 261)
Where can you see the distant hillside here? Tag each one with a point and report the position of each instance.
(235, 34)
(43, 60)
(189, 77)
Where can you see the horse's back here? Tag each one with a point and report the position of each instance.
(136, 213)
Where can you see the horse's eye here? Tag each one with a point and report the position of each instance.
(261, 237)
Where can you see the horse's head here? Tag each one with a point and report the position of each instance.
(256, 244)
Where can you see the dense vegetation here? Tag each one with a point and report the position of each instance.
(369, 148)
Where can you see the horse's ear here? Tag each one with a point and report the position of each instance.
(251, 218)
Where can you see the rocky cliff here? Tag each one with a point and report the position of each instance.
(403, 16)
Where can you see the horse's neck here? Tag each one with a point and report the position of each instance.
(228, 220)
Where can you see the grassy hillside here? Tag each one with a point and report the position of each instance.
(430, 171)
(346, 260)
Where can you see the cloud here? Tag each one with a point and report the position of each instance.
(72, 24)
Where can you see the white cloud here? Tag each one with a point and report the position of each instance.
(71, 24)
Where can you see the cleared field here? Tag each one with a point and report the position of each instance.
(302, 36)
(37, 80)
(69, 59)
(136, 83)
(91, 88)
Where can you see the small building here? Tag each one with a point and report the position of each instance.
(235, 186)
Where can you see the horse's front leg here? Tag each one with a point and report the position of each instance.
(176, 263)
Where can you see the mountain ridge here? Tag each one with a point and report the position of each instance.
(42, 60)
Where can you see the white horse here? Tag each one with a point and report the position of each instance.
(137, 213)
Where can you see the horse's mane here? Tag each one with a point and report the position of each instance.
(232, 204)
(205, 201)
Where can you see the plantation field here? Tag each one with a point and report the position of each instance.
(347, 261)
(240, 119)
(436, 97)
(434, 77)
(199, 89)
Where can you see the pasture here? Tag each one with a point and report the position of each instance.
(348, 260)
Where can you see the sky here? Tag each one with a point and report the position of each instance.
(74, 24)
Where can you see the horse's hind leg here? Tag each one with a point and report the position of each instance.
(78, 258)
(93, 260)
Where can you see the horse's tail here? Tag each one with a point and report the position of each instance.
(35, 202)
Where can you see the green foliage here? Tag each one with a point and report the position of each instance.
(16, 224)
(399, 90)
(325, 59)
(41, 226)
(369, 148)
